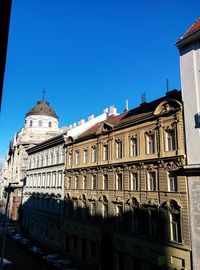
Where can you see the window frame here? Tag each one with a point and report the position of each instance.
(136, 184)
(105, 180)
(149, 184)
(77, 157)
(150, 143)
(105, 152)
(119, 149)
(133, 146)
(170, 141)
(94, 182)
(119, 182)
(94, 154)
(172, 182)
(85, 156)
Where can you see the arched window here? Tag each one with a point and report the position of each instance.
(40, 123)
(31, 123)
(50, 124)
(174, 211)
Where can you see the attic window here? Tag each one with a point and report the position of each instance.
(40, 123)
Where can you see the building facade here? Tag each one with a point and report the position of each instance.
(189, 47)
(126, 196)
(41, 123)
(43, 194)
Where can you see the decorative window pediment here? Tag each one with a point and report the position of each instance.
(166, 106)
(133, 202)
(104, 127)
(118, 201)
(172, 206)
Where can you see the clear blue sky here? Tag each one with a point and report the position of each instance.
(90, 54)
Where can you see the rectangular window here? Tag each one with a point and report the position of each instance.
(59, 184)
(84, 182)
(105, 211)
(119, 214)
(76, 182)
(170, 140)
(105, 182)
(152, 181)
(119, 149)
(84, 210)
(172, 182)
(134, 221)
(94, 182)
(119, 181)
(134, 181)
(77, 157)
(69, 182)
(48, 180)
(94, 154)
(105, 152)
(153, 223)
(175, 227)
(93, 249)
(75, 206)
(150, 143)
(134, 147)
(93, 209)
(85, 156)
(39, 181)
(70, 159)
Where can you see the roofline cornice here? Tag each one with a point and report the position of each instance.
(122, 126)
(46, 144)
(182, 42)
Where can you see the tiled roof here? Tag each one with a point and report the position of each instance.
(144, 110)
(195, 27)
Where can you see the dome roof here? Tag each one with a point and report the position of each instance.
(42, 108)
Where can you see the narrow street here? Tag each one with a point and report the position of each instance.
(21, 257)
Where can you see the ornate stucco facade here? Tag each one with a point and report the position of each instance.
(43, 193)
(126, 197)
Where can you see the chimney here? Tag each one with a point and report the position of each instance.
(113, 110)
(90, 117)
(143, 99)
(81, 121)
(105, 110)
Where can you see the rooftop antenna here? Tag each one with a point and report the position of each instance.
(43, 94)
(143, 98)
(126, 109)
(167, 85)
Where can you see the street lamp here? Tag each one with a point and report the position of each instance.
(8, 189)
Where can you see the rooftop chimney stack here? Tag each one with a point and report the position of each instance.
(113, 110)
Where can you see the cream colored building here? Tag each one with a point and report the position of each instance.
(43, 193)
(41, 123)
(126, 197)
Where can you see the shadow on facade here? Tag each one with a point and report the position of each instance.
(98, 234)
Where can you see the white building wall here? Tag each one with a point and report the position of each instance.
(190, 82)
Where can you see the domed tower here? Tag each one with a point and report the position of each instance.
(41, 123)
(42, 117)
